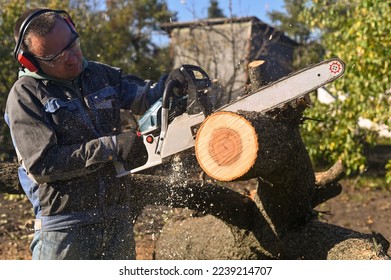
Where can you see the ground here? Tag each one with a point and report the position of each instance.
(364, 208)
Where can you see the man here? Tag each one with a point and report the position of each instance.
(64, 117)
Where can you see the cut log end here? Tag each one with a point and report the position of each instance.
(226, 146)
(255, 63)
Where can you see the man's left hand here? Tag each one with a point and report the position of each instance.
(180, 86)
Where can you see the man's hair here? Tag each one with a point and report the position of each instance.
(41, 25)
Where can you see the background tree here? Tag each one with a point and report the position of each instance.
(293, 25)
(357, 32)
(6, 78)
(214, 11)
(120, 34)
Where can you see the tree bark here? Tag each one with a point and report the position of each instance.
(192, 238)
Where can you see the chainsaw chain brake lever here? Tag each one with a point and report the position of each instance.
(198, 82)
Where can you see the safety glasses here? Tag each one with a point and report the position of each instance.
(61, 57)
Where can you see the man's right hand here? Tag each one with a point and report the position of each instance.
(131, 150)
(125, 143)
(180, 86)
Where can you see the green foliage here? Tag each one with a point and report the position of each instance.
(367, 182)
(388, 175)
(9, 12)
(119, 34)
(358, 32)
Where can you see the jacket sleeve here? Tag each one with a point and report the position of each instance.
(138, 95)
(37, 147)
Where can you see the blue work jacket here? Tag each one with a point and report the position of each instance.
(64, 133)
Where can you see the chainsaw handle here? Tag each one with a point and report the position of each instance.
(189, 71)
(167, 93)
(194, 68)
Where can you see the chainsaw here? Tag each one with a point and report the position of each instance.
(170, 125)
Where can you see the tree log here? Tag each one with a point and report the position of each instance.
(226, 146)
(314, 240)
(285, 195)
(278, 158)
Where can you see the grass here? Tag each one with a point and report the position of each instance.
(362, 181)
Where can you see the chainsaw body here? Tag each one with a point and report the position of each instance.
(171, 124)
(165, 125)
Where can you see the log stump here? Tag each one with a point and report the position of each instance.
(255, 73)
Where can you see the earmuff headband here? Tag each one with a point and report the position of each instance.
(24, 58)
(26, 24)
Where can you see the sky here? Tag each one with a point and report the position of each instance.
(189, 10)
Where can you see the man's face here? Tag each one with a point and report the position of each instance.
(58, 53)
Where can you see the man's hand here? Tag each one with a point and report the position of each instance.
(131, 150)
(180, 86)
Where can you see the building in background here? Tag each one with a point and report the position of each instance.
(225, 46)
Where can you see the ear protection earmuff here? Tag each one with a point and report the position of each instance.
(26, 59)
